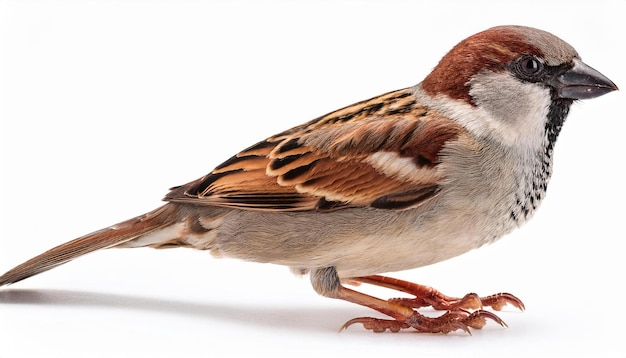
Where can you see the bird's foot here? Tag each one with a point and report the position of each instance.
(427, 296)
(460, 313)
(470, 301)
(446, 323)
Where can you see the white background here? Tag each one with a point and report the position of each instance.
(106, 104)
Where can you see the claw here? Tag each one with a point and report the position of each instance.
(492, 316)
(376, 324)
(477, 319)
(499, 300)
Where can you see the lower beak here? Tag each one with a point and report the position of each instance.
(582, 82)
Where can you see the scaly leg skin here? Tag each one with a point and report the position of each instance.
(327, 283)
(446, 323)
(428, 296)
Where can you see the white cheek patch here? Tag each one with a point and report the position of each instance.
(393, 165)
(508, 111)
(513, 110)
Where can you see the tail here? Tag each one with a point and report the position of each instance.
(109, 237)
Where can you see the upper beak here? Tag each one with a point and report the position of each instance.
(582, 82)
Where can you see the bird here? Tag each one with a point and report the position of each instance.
(406, 179)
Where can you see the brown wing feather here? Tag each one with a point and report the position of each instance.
(382, 152)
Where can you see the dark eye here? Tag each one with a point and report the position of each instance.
(529, 66)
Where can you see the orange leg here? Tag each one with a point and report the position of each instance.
(327, 283)
(428, 296)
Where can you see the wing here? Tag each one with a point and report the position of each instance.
(382, 153)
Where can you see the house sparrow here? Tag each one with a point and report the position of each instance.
(402, 180)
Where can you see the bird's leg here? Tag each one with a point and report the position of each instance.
(428, 296)
(327, 283)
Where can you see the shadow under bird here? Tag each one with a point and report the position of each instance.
(398, 181)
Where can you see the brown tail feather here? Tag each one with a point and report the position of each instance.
(101, 239)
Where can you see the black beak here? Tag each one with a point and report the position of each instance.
(582, 82)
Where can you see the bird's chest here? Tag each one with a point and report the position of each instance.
(530, 189)
(496, 194)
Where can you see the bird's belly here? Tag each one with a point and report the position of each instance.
(356, 241)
